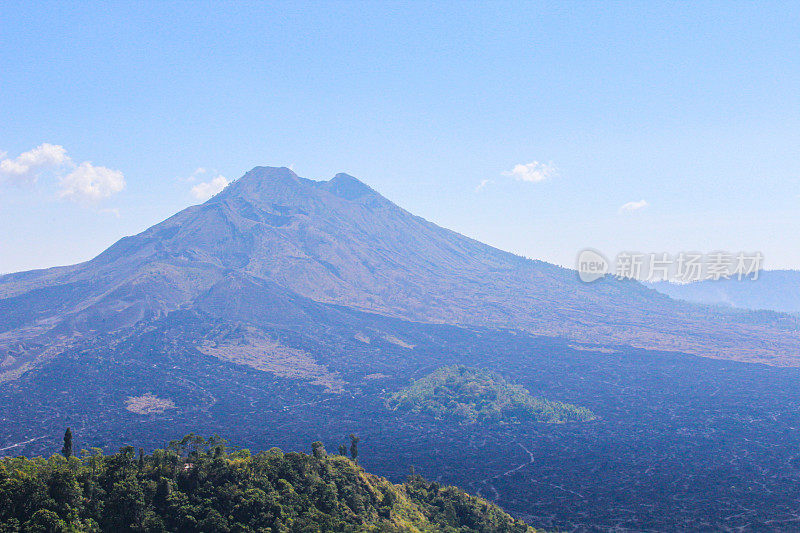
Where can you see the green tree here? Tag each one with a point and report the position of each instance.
(354, 447)
(318, 450)
(45, 521)
(125, 506)
(66, 450)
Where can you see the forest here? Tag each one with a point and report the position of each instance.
(199, 484)
(478, 395)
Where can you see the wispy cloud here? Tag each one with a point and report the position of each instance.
(534, 172)
(482, 184)
(633, 206)
(84, 183)
(205, 190)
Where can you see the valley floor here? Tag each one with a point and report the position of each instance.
(681, 443)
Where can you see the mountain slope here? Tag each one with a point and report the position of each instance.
(340, 242)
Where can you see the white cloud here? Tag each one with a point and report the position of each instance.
(532, 172)
(633, 206)
(207, 189)
(28, 165)
(88, 183)
(84, 183)
(482, 184)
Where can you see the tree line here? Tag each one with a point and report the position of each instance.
(198, 484)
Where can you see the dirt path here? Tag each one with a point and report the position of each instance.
(23, 443)
(488, 481)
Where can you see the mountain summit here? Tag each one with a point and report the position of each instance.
(341, 243)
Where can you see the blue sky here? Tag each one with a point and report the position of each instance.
(690, 112)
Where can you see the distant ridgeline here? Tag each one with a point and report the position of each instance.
(198, 485)
(479, 395)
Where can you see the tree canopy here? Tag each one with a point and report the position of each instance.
(203, 485)
(478, 395)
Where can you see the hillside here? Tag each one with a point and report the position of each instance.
(198, 485)
(478, 395)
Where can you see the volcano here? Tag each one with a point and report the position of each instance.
(273, 238)
(285, 311)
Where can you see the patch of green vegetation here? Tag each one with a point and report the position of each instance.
(201, 485)
(478, 395)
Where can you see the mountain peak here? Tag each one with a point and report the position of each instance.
(281, 184)
(270, 174)
(264, 183)
(347, 187)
